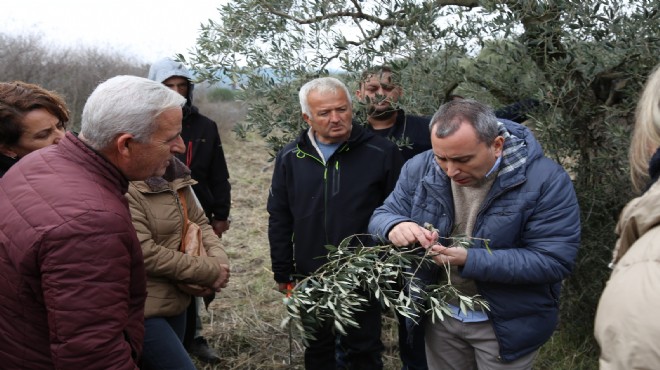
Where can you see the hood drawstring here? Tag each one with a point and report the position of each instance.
(189, 154)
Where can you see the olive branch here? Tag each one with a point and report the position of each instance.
(354, 273)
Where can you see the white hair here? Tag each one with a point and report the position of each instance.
(322, 85)
(125, 104)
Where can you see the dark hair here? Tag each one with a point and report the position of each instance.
(452, 114)
(17, 99)
(375, 71)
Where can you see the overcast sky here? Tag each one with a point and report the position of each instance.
(145, 29)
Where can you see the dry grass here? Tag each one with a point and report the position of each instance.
(243, 322)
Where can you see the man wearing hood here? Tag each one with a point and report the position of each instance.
(206, 160)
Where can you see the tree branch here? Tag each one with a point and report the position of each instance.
(387, 22)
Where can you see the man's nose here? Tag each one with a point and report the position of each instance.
(179, 146)
(335, 116)
(452, 169)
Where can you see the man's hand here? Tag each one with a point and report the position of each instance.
(408, 233)
(285, 287)
(455, 256)
(219, 227)
(195, 290)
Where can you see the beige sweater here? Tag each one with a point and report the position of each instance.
(467, 202)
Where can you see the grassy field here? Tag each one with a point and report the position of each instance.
(243, 322)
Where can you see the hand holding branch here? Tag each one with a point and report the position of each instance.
(408, 233)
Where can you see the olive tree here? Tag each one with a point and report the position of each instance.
(583, 61)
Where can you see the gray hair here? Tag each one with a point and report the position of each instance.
(451, 115)
(322, 85)
(125, 104)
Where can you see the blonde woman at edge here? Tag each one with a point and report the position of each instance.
(626, 326)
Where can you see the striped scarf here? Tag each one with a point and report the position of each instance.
(514, 154)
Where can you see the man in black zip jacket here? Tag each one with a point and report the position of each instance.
(206, 160)
(379, 90)
(325, 186)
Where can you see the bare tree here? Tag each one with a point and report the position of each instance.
(73, 72)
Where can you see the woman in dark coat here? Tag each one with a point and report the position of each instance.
(31, 118)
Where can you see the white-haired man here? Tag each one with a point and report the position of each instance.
(325, 186)
(72, 280)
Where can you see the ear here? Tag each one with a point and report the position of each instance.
(6, 151)
(358, 93)
(498, 145)
(305, 118)
(122, 145)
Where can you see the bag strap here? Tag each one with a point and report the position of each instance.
(182, 200)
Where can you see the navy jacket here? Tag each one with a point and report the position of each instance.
(532, 220)
(313, 204)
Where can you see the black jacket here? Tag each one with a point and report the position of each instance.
(312, 204)
(204, 155)
(206, 159)
(6, 163)
(410, 133)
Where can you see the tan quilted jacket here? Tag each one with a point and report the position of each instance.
(626, 326)
(158, 219)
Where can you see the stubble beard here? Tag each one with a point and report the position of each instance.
(381, 115)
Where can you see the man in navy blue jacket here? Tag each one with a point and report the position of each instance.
(487, 180)
(326, 184)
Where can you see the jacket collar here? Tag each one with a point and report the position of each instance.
(6, 163)
(176, 176)
(358, 135)
(93, 160)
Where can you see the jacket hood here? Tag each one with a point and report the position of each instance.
(165, 68)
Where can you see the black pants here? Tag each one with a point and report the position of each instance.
(191, 319)
(411, 346)
(361, 348)
(191, 323)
